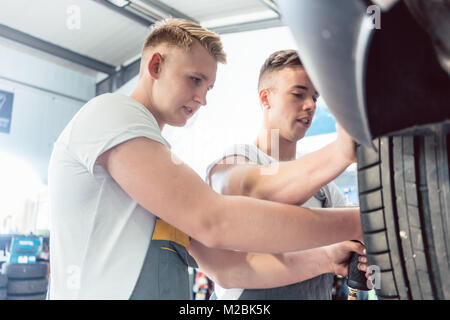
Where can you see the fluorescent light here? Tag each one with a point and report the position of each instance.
(119, 3)
(236, 19)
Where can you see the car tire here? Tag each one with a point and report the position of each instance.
(27, 287)
(3, 280)
(25, 271)
(405, 206)
(3, 294)
(41, 296)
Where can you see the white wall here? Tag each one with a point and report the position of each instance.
(46, 96)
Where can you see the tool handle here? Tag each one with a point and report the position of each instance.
(352, 294)
(356, 278)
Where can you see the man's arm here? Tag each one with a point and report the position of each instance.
(294, 182)
(146, 171)
(233, 269)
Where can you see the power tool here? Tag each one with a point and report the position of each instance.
(356, 279)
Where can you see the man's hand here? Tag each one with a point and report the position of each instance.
(346, 145)
(339, 257)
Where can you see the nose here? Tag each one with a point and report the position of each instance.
(309, 105)
(200, 97)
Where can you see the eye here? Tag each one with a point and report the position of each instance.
(196, 80)
(315, 99)
(298, 95)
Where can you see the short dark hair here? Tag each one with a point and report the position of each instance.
(277, 61)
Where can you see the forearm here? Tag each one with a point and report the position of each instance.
(232, 269)
(296, 181)
(243, 223)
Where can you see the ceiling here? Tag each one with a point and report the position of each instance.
(105, 37)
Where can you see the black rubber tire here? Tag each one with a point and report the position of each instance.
(2, 293)
(3, 280)
(26, 287)
(25, 271)
(41, 296)
(405, 206)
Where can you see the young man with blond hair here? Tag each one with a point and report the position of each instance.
(289, 100)
(123, 211)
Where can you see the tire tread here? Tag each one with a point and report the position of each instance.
(404, 203)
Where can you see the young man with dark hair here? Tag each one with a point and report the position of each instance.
(268, 169)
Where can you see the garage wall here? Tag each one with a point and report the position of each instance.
(46, 96)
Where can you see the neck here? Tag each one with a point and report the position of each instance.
(275, 146)
(144, 98)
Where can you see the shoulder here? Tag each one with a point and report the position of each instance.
(113, 105)
(114, 114)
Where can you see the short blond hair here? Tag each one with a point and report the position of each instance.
(182, 33)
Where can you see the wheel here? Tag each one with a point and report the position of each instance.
(2, 293)
(26, 287)
(3, 280)
(25, 271)
(41, 296)
(405, 207)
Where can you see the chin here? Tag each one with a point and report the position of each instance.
(298, 137)
(295, 134)
(177, 122)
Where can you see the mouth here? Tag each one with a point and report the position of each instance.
(305, 121)
(188, 110)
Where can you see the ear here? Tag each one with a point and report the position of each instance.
(264, 98)
(154, 65)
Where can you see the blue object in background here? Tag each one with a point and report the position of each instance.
(323, 122)
(6, 104)
(24, 249)
(350, 194)
(347, 182)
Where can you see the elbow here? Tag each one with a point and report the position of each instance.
(256, 188)
(227, 276)
(257, 192)
(221, 279)
(210, 238)
(251, 184)
(224, 283)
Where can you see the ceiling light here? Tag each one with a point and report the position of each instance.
(119, 3)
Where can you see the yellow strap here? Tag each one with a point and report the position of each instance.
(165, 248)
(164, 231)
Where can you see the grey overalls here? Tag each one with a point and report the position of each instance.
(164, 274)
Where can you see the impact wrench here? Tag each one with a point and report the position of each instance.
(356, 279)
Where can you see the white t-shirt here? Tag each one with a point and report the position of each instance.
(315, 288)
(99, 234)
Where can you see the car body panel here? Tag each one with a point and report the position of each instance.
(376, 67)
